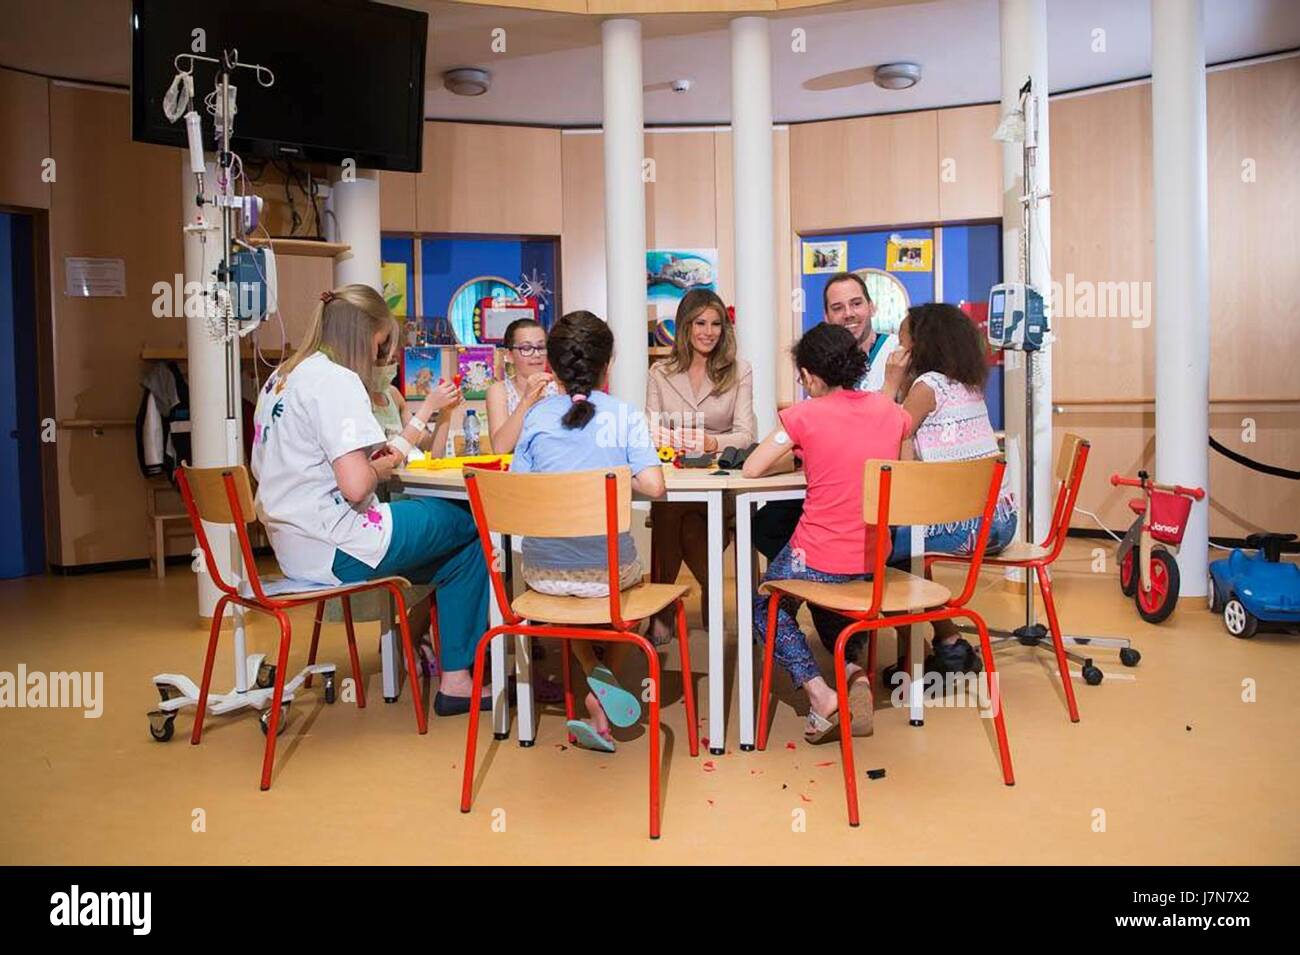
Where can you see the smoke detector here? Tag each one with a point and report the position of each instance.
(898, 76)
(681, 86)
(467, 81)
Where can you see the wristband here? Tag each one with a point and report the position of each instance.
(400, 444)
(420, 424)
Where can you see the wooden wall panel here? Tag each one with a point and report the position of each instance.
(680, 207)
(1254, 163)
(970, 163)
(113, 198)
(872, 171)
(490, 179)
(24, 140)
(582, 243)
(397, 201)
(1102, 233)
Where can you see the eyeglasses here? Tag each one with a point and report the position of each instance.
(529, 350)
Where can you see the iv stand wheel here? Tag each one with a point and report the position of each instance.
(265, 720)
(1091, 674)
(1129, 657)
(162, 725)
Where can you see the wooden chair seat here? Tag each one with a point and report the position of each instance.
(636, 603)
(289, 588)
(1017, 552)
(903, 591)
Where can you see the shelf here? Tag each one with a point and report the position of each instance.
(327, 250)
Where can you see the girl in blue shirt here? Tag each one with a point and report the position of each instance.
(582, 429)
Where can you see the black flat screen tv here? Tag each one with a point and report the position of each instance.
(349, 77)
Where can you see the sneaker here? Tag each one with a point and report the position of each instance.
(956, 657)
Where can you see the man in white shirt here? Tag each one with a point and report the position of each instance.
(846, 301)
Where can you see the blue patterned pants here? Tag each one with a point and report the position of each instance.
(792, 651)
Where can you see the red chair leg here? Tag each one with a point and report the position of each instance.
(769, 654)
(688, 683)
(471, 737)
(435, 636)
(277, 697)
(652, 659)
(352, 653)
(566, 664)
(315, 640)
(995, 695)
(846, 723)
(201, 709)
(408, 652)
(1058, 644)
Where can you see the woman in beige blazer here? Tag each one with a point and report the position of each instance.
(700, 399)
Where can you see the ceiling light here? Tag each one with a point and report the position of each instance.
(897, 76)
(467, 81)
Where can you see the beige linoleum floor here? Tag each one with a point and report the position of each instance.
(1184, 770)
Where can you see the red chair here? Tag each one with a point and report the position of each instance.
(898, 492)
(225, 496)
(1070, 463)
(556, 505)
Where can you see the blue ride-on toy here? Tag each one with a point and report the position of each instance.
(1250, 590)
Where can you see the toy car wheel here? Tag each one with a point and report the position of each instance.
(1129, 657)
(329, 688)
(1239, 621)
(265, 720)
(1128, 576)
(162, 725)
(1092, 675)
(1212, 597)
(1156, 604)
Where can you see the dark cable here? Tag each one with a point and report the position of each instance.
(1254, 465)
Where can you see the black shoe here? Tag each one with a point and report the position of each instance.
(956, 657)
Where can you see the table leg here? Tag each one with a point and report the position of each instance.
(916, 691)
(717, 681)
(500, 689)
(744, 622)
(389, 654)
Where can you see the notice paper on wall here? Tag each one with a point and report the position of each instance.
(94, 278)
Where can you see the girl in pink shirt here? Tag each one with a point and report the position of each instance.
(835, 433)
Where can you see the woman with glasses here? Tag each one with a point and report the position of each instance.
(526, 382)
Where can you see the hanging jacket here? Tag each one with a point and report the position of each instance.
(164, 402)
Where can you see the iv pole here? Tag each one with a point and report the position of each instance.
(1034, 634)
(176, 690)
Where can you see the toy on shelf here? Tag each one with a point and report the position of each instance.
(1249, 591)
(1147, 570)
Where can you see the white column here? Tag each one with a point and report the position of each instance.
(1024, 55)
(751, 155)
(355, 204)
(205, 359)
(1182, 291)
(625, 207)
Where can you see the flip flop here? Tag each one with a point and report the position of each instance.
(862, 706)
(622, 708)
(588, 738)
(822, 729)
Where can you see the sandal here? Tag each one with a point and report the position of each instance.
(821, 729)
(586, 737)
(862, 706)
(622, 708)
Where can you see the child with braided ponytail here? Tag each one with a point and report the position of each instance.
(581, 429)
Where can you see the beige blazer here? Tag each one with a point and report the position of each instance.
(728, 416)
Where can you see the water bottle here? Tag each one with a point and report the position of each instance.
(471, 432)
